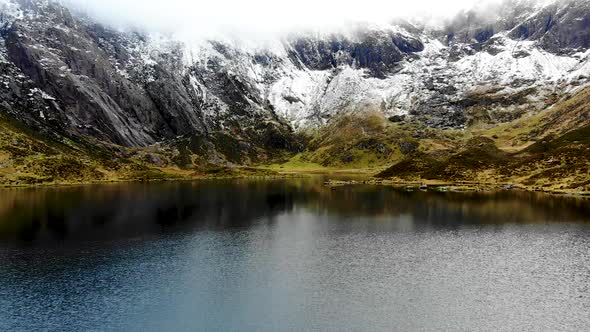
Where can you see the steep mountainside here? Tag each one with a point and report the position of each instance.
(72, 76)
(68, 77)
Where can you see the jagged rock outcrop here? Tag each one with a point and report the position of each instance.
(378, 51)
(559, 28)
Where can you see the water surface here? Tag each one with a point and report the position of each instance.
(291, 255)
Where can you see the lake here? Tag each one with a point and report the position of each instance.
(291, 255)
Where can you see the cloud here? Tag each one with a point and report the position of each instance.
(261, 18)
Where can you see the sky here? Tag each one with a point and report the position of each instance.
(260, 17)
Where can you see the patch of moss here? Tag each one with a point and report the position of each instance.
(478, 154)
(231, 148)
(31, 179)
(15, 151)
(233, 172)
(64, 168)
(153, 174)
(184, 158)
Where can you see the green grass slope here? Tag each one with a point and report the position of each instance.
(364, 142)
(551, 152)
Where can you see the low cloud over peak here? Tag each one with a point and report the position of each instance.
(260, 18)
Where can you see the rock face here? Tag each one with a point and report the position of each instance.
(378, 52)
(81, 78)
(63, 72)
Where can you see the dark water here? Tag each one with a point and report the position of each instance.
(291, 255)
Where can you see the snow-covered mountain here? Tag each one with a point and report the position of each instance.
(60, 70)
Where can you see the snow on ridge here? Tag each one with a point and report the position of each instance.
(293, 94)
(10, 10)
(308, 98)
(516, 60)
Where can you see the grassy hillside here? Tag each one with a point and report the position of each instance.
(549, 151)
(28, 158)
(365, 142)
(567, 115)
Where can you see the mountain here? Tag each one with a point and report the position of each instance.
(72, 79)
(65, 74)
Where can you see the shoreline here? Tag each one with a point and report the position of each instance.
(455, 187)
(424, 185)
(235, 173)
(149, 181)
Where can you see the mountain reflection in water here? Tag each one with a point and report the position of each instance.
(64, 215)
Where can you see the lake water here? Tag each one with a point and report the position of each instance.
(291, 255)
